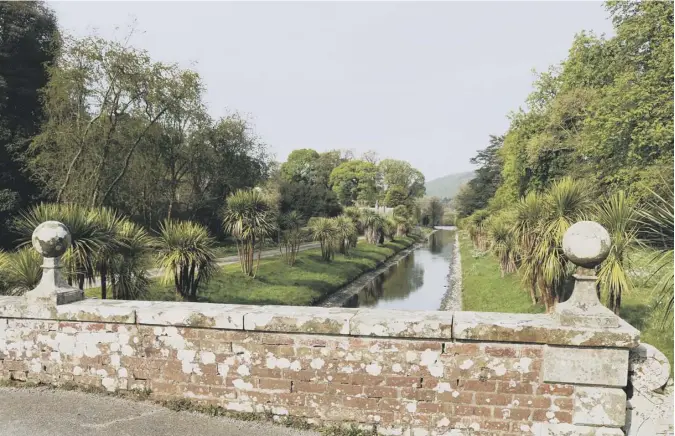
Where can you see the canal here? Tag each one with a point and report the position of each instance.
(417, 282)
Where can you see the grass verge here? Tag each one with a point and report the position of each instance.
(309, 280)
(484, 290)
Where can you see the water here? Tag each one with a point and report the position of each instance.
(418, 282)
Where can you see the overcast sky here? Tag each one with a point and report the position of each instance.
(423, 82)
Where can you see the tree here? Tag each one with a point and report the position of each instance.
(249, 219)
(346, 231)
(402, 177)
(326, 232)
(29, 39)
(292, 234)
(432, 211)
(373, 225)
(185, 254)
(476, 194)
(355, 182)
(102, 101)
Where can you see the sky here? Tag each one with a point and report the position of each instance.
(425, 82)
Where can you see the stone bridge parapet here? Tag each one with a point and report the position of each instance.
(400, 372)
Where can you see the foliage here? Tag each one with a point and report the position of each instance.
(355, 182)
(432, 211)
(476, 194)
(503, 244)
(373, 225)
(248, 217)
(185, 253)
(346, 233)
(618, 215)
(128, 271)
(292, 234)
(400, 181)
(20, 271)
(656, 218)
(28, 40)
(325, 231)
(89, 237)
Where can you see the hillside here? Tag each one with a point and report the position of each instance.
(447, 186)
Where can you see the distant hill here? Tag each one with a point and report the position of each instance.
(448, 186)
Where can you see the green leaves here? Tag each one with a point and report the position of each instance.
(185, 253)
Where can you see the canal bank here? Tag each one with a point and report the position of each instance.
(414, 279)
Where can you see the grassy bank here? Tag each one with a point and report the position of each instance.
(484, 290)
(303, 284)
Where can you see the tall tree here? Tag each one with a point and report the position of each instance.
(355, 182)
(476, 194)
(29, 39)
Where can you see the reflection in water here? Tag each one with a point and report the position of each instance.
(417, 282)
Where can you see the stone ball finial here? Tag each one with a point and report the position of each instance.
(586, 244)
(51, 239)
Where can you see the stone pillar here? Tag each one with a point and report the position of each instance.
(51, 239)
(586, 244)
(600, 375)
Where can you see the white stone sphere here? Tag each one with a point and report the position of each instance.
(51, 239)
(586, 243)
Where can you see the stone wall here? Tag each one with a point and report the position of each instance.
(419, 373)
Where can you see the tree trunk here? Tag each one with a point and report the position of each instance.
(104, 289)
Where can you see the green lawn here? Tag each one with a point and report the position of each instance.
(484, 290)
(303, 284)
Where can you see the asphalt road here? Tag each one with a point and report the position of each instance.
(46, 412)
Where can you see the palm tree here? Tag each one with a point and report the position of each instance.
(354, 214)
(389, 228)
(249, 218)
(108, 221)
(185, 253)
(656, 221)
(530, 212)
(345, 233)
(292, 234)
(88, 236)
(373, 224)
(567, 201)
(128, 270)
(402, 217)
(20, 271)
(619, 216)
(325, 231)
(503, 244)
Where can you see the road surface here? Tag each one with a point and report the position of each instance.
(46, 412)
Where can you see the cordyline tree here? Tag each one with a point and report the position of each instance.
(249, 217)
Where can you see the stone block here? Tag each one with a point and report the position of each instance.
(539, 329)
(98, 311)
(593, 366)
(599, 406)
(291, 319)
(540, 429)
(402, 323)
(205, 315)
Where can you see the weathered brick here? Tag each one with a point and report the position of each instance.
(461, 348)
(500, 351)
(424, 407)
(465, 410)
(548, 415)
(274, 384)
(316, 388)
(380, 392)
(479, 386)
(367, 380)
(514, 414)
(403, 382)
(463, 397)
(515, 387)
(530, 401)
(564, 403)
(554, 389)
(495, 425)
(492, 399)
(360, 403)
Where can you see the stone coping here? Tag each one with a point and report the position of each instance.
(446, 325)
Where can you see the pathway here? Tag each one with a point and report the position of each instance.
(46, 412)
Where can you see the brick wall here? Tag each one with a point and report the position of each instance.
(421, 373)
